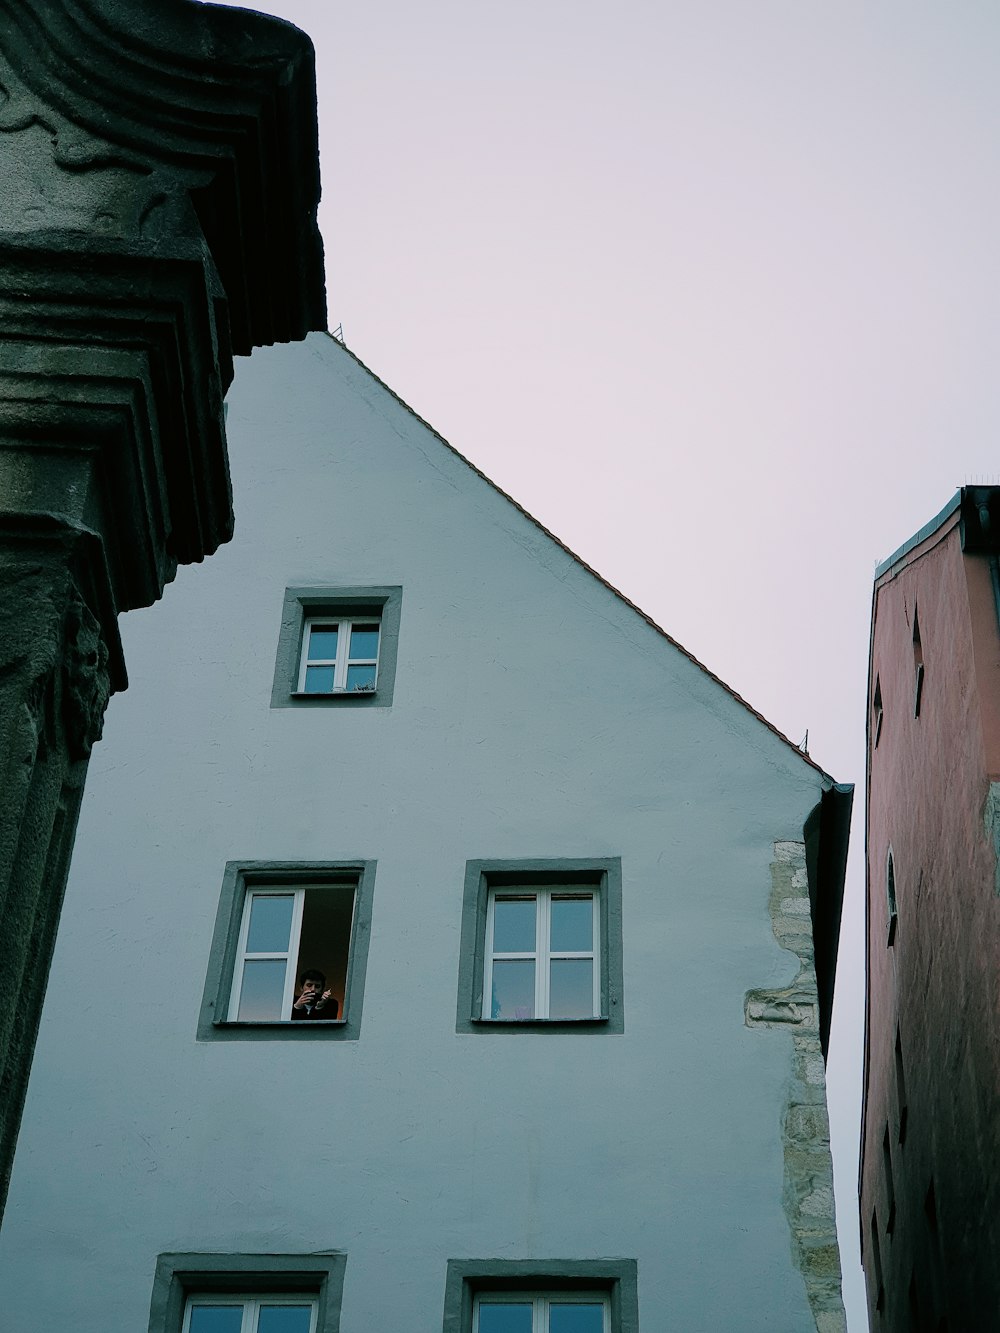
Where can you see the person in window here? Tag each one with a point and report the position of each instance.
(314, 999)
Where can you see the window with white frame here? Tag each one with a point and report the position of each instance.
(293, 953)
(542, 956)
(339, 656)
(277, 1313)
(530, 1312)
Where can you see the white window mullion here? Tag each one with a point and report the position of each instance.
(343, 649)
(540, 1317)
(250, 1316)
(487, 1005)
(542, 937)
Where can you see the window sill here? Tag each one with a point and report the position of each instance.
(281, 1023)
(542, 1024)
(333, 694)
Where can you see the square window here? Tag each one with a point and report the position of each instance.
(541, 946)
(339, 656)
(337, 645)
(289, 953)
(247, 1293)
(550, 1296)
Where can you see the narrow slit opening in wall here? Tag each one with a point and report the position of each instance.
(900, 1088)
(890, 1189)
(876, 713)
(918, 664)
(877, 1265)
(890, 895)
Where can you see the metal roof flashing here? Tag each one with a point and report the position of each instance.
(926, 531)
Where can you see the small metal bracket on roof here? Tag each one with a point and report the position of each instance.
(804, 747)
(338, 333)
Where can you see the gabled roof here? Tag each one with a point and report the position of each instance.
(806, 758)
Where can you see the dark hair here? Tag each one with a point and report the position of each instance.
(312, 975)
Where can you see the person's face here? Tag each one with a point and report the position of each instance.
(310, 987)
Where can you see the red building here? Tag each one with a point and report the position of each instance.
(930, 1138)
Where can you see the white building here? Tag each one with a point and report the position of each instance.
(544, 801)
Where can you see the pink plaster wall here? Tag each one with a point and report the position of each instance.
(940, 980)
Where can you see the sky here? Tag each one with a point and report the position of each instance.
(711, 288)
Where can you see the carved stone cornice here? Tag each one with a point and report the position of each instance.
(175, 105)
(158, 214)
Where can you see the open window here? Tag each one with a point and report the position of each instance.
(289, 952)
(292, 954)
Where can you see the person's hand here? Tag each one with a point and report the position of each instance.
(326, 996)
(303, 1000)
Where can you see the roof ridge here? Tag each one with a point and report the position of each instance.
(582, 563)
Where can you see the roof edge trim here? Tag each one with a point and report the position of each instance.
(806, 758)
(926, 531)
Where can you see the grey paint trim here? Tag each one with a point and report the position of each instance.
(239, 876)
(385, 601)
(618, 1277)
(178, 1275)
(480, 877)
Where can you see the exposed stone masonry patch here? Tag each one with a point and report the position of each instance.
(808, 1184)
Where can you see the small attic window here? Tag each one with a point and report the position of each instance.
(918, 664)
(876, 713)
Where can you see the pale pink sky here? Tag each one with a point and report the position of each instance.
(712, 289)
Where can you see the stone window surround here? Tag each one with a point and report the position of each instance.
(239, 877)
(618, 1278)
(181, 1275)
(601, 873)
(383, 602)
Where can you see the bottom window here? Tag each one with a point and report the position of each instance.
(541, 1296)
(249, 1314)
(530, 1312)
(247, 1293)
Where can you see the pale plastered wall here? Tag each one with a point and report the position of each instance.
(534, 715)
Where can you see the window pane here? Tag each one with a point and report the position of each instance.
(576, 1318)
(360, 678)
(572, 924)
(319, 680)
(571, 988)
(263, 987)
(322, 643)
(216, 1318)
(284, 1319)
(364, 641)
(504, 1318)
(514, 925)
(513, 989)
(270, 924)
